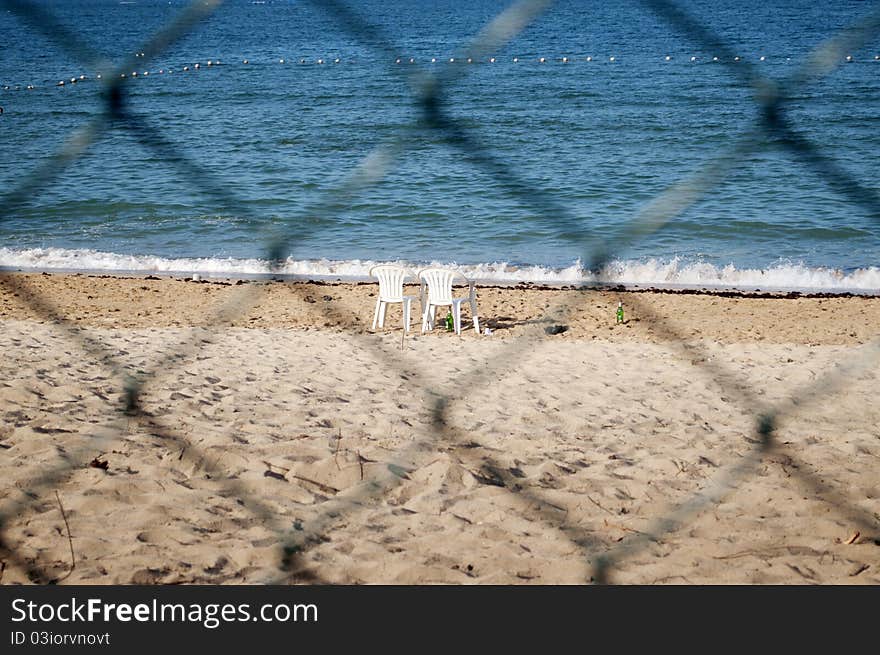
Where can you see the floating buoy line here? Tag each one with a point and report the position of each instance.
(403, 61)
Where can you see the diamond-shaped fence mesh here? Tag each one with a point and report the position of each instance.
(129, 417)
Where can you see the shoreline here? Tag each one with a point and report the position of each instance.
(727, 291)
(662, 273)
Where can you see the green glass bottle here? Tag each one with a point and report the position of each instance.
(450, 322)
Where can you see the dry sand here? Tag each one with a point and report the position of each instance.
(519, 457)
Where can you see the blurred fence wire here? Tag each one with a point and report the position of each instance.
(773, 127)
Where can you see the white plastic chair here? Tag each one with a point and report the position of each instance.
(391, 291)
(439, 282)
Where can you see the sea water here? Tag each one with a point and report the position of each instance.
(545, 168)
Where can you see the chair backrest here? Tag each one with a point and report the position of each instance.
(439, 282)
(390, 281)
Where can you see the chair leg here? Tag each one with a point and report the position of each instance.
(474, 314)
(382, 310)
(407, 309)
(376, 314)
(456, 317)
(425, 317)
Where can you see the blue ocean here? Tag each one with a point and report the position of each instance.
(296, 123)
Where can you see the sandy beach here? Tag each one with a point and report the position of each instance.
(271, 415)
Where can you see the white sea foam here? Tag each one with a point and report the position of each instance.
(649, 272)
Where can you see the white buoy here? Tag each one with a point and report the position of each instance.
(491, 60)
(412, 60)
(470, 61)
(876, 57)
(320, 61)
(542, 60)
(336, 61)
(515, 60)
(302, 61)
(849, 59)
(693, 58)
(589, 59)
(61, 83)
(565, 60)
(146, 72)
(245, 61)
(82, 77)
(610, 58)
(197, 66)
(762, 58)
(736, 58)
(134, 74)
(186, 68)
(397, 61)
(433, 60)
(714, 58)
(668, 58)
(73, 80)
(452, 60)
(98, 76)
(280, 61)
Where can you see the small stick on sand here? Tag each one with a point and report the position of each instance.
(326, 488)
(272, 466)
(858, 568)
(69, 538)
(626, 529)
(599, 506)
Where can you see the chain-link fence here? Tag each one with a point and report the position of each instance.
(773, 127)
